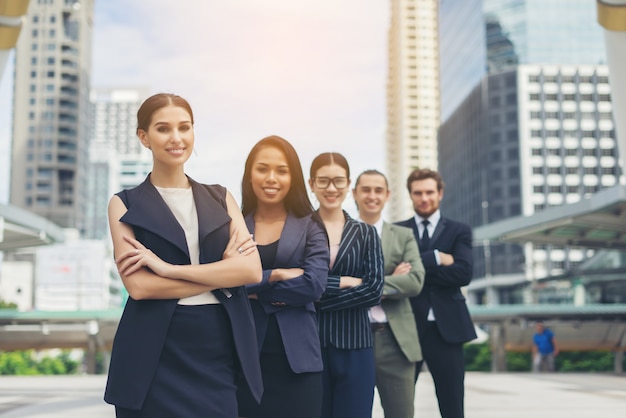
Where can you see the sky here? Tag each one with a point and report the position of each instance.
(312, 72)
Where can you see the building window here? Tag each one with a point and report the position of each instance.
(511, 136)
(607, 152)
(511, 117)
(511, 98)
(589, 152)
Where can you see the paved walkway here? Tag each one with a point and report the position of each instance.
(511, 395)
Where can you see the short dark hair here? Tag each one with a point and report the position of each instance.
(156, 102)
(423, 174)
(371, 172)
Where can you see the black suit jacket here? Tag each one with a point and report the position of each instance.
(143, 327)
(442, 284)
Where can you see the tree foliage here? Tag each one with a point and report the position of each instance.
(478, 358)
(25, 362)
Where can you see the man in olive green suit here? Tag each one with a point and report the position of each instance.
(396, 344)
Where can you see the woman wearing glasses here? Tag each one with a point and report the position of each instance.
(355, 283)
(293, 246)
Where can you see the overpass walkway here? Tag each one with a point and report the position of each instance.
(488, 395)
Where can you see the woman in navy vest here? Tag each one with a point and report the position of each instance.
(184, 254)
(293, 245)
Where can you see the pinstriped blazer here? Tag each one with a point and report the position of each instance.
(343, 318)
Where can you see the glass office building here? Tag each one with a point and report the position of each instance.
(542, 32)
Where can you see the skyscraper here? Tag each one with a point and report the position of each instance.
(117, 158)
(542, 32)
(51, 111)
(538, 132)
(412, 96)
(462, 54)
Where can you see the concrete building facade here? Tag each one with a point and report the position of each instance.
(412, 96)
(51, 111)
(117, 158)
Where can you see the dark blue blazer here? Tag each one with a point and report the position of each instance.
(344, 321)
(303, 243)
(442, 284)
(143, 326)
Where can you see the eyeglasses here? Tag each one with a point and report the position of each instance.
(324, 182)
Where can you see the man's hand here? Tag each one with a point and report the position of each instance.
(402, 268)
(446, 259)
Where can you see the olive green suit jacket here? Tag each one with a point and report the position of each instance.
(399, 245)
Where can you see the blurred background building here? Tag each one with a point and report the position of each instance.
(412, 96)
(116, 158)
(51, 111)
(535, 132)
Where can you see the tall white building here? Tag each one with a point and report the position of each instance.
(117, 158)
(529, 138)
(412, 96)
(51, 111)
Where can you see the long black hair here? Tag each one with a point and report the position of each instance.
(297, 200)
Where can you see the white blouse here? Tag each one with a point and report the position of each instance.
(183, 206)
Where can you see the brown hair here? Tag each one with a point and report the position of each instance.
(423, 174)
(156, 102)
(329, 158)
(371, 172)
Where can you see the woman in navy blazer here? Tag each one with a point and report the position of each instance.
(294, 253)
(355, 283)
(183, 254)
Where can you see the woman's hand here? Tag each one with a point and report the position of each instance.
(279, 275)
(130, 261)
(348, 282)
(237, 247)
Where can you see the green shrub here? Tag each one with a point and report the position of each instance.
(24, 362)
(478, 358)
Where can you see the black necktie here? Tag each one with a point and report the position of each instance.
(425, 236)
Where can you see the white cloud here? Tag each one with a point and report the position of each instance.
(312, 72)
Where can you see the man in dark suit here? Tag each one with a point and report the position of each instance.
(442, 317)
